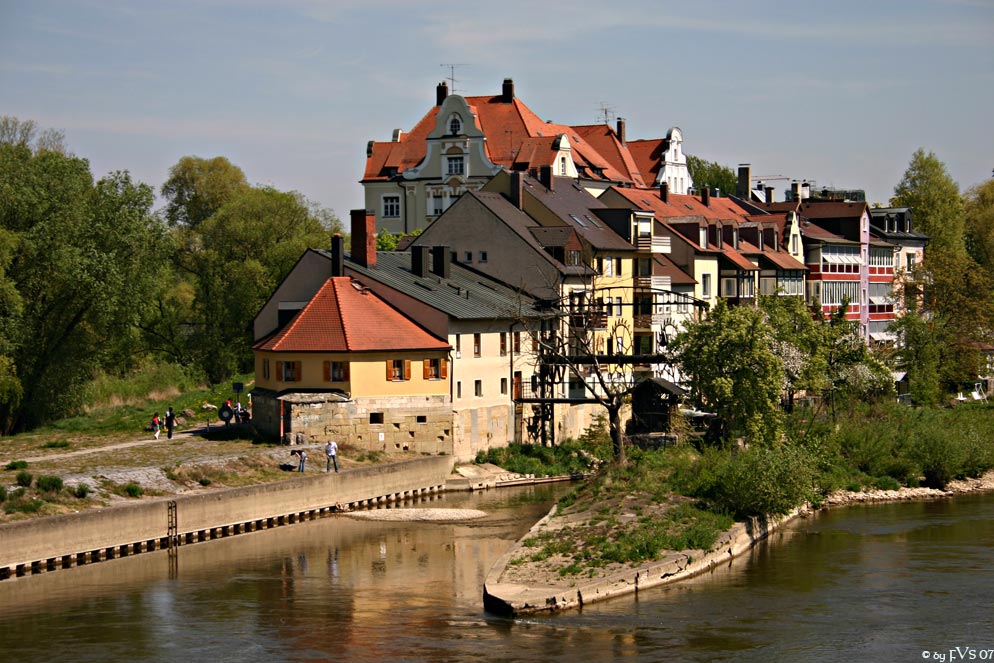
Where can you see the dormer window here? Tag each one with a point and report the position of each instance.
(455, 125)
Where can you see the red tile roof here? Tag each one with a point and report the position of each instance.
(346, 317)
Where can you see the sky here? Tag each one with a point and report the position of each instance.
(841, 93)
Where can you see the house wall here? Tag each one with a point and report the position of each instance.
(303, 281)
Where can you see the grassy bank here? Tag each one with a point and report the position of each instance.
(683, 497)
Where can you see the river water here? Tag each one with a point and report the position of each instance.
(873, 583)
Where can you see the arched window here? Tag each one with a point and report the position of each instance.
(455, 125)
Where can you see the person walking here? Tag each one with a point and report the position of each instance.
(170, 422)
(155, 425)
(331, 449)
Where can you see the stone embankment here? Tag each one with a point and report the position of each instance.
(505, 592)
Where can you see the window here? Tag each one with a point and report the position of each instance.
(265, 369)
(391, 207)
(478, 388)
(398, 370)
(458, 345)
(437, 204)
(469, 256)
(455, 125)
(517, 343)
(483, 256)
(476, 345)
(910, 263)
(617, 307)
(435, 369)
(454, 166)
(376, 417)
(336, 371)
(793, 244)
(728, 288)
(288, 371)
(644, 266)
(706, 286)
(503, 344)
(562, 166)
(503, 386)
(459, 389)
(703, 238)
(572, 257)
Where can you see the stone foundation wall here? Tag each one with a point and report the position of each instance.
(480, 429)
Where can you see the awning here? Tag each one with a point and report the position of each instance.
(883, 337)
(880, 301)
(898, 375)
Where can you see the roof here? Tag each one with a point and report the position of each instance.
(343, 316)
(648, 155)
(465, 295)
(573, 204)
(605, 140)
(663, 266)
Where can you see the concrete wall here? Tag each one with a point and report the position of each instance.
(33, 542)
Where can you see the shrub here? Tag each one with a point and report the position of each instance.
(64, 444)
(761, 480)
(81, 490)
(49, 484)
(133, 490)
(204, 481)
(16, 465)
(24, 478)
(3, 493)
(886, 483)
(19, 504)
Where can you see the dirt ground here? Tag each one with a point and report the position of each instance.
(189, 462)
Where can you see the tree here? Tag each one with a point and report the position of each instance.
(799, 342)
(712, 175)
(979, 205)
(197, 188)
(934, 200)
(77, 257)
(728, 361)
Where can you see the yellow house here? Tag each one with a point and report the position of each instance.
(349, 367)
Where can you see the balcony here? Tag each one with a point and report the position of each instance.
(653, 244)
(588, 320)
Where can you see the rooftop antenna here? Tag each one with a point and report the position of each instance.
(452, 74)
(606, 113)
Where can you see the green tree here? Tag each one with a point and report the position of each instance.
(711, 174)
(979, 206)
(197, 188)
(79, 256)
(799, 342)
(728, 360)
(934, 200)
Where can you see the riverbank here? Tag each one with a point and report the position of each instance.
(520, 583)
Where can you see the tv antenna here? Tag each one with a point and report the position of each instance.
(606, 113)
(452, 74)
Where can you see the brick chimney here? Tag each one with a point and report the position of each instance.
(507, 91)
(621, 130)
(742, 186)
(664, 192)
(419, 260)
(545, 177)
(769, 194)
(441, 92)
(337, 255)
(706, 196)
(441, 259)
(363, 237)
(517, 189)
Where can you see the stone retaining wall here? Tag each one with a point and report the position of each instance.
(45, 544)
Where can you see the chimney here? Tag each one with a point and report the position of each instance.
(441, 259)
(369, 149)
(706, 196)
(795, 190)
(337, 255)
(397, 133)
(441, 92)
(419, 260)
(517, 189)
(363, 237)
(742, 186)
(545, 177)
(664, 192)
(769, 194)
(621, 130)
(507, 91)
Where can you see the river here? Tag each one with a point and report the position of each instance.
(870, 583)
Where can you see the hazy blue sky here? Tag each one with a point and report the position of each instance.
(291, 91)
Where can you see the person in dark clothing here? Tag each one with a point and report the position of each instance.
(170, 422)
(303, 458)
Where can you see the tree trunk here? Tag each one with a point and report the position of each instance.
(617, 437)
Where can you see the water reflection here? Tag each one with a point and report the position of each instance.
(874, 583)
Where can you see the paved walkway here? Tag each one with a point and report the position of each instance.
(111, 447)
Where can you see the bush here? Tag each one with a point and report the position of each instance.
(133, 490)
(56, 445)
(49, 484)
(760, 481)
(16, 465)
(81, 490)
(886, 483)
(3, 493)
(24, 478)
